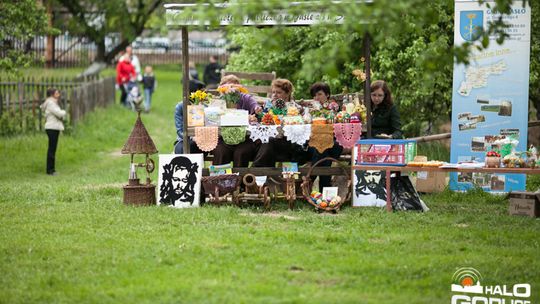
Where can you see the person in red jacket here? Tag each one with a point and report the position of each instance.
(125, 72)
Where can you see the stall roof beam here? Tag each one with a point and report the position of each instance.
(314, 12)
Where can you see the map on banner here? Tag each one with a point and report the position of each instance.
(477, 76)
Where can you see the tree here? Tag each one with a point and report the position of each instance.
(411, 46)
(19, 21)
(534, 76)
(96, 19)
(306, 55)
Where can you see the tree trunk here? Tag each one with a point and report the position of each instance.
(109, 57)
(100, 56)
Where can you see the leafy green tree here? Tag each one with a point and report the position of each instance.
(19, 21)
(406, 61)
(534, 76)
(96, 19)
(412, 49)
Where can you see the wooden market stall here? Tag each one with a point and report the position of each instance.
(176, 19)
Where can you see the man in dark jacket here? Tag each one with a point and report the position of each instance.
(212, 73)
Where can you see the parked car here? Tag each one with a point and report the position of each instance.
(154, 43)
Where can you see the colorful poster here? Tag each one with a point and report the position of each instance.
(490, 95)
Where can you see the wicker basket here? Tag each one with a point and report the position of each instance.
(140, 195)
(308, 184)
(221, 185)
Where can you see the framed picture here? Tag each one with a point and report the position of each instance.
(180, 180)
(329, 192)
(368, 187)
(195, 115)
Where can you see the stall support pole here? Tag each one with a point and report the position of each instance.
(185, 82)
(367, 84)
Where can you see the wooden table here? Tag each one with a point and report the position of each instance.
(390, 169)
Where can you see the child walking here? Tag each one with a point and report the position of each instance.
(149, 84)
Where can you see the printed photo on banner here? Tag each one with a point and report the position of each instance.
(478, 144)
(467, 126)
(497, 182)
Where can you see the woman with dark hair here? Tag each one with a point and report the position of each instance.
(320, 92)
(385, 121)
(54, 117)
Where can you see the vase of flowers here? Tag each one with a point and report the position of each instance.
(493, 159)
(231, 93)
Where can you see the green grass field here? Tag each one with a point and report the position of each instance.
(69, 238)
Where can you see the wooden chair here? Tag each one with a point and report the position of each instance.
(265, 90)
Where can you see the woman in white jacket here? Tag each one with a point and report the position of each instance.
(54, 117)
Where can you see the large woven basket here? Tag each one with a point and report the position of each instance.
(307, 186)
(220, 185)
(140, 195)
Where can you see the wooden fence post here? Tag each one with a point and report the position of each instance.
(20, 94)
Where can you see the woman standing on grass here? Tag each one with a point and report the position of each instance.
(54, 123)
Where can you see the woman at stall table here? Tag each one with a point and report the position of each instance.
(242, 153)
(320, 92)
(279, 149)
(385, 121)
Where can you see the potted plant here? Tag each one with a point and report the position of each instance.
(493, 159)
(231, 94)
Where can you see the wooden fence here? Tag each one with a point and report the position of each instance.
(76, 51)
(20, 100)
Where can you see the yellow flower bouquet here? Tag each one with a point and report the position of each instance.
(231, 93)
(200, 97)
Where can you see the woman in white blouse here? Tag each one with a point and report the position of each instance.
(54, 123)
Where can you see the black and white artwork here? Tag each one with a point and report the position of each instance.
(180, 179)
(369, 188)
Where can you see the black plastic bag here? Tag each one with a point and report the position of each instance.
(404, 195)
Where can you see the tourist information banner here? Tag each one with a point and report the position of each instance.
(490, 95)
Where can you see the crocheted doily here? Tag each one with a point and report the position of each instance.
(206, 138)
(233, 135)
(322, 137)
(297, 134)
(347, 133)
(262, 132)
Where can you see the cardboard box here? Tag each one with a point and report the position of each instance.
(431, 182)
(524, 203)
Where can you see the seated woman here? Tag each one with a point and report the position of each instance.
(179, 124)
(385, 121)
(244, 152)
(320, 92)
(279, 149)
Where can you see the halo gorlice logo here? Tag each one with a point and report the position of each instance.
(467, 280)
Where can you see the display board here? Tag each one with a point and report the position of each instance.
(490, 95)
